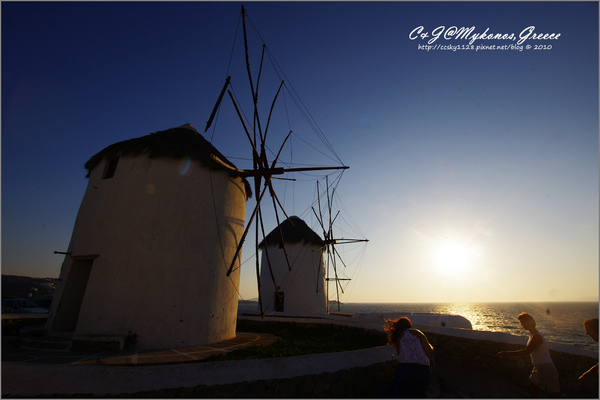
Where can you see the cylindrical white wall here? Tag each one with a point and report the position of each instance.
(304, 289)
(156, 241)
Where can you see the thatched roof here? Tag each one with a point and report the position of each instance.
(294, 230)
(180, 142)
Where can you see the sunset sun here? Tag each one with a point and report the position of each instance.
(454, 259)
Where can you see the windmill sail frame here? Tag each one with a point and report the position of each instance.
(330, 242)
(262, 172)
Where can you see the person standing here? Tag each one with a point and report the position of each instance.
(591, 328)
(412, 374)
(544, 375)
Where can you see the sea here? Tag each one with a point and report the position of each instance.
(559, 322)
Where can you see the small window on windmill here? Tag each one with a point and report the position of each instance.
(279, 301)
(110, 167)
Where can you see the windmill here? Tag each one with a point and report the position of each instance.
(334, 260)
(264, 170)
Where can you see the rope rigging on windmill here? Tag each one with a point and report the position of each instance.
(265, 170)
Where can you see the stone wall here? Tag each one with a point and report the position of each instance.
(470, 358)
(481, 355)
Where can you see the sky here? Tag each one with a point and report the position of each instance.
(474, 172)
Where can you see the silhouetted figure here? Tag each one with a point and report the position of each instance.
(544, 376)
(412, 374)
(591, 328)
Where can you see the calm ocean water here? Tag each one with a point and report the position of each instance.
(558, 322)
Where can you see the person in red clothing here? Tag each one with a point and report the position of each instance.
(544, 375)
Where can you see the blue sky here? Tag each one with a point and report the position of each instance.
(474, 174)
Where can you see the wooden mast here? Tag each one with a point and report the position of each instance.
(260, 165)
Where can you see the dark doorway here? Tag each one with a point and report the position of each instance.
(279, 301)
(67, 312)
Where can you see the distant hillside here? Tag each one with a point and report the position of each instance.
(26, 287)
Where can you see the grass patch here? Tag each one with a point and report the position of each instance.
(300, 339)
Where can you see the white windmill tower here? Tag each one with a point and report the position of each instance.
(156, 247)
(156, 231)
(295, 282)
